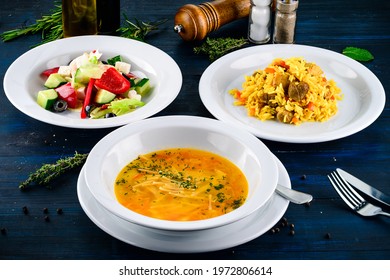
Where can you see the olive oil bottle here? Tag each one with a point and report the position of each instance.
(79, 17)
(108, 16)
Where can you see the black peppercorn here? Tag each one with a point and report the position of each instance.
(25, 210)
(292, 232)
(59, 211)
(47, 219)
(284, 222)
(45, 210)
(303, 177)
(3, 231)
(328, 236)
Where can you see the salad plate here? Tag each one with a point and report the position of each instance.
(363, 94)
(23, 80)
(219, 238)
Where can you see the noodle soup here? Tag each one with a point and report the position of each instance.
(181, 185)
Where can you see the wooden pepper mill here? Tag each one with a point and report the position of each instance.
(195, 22)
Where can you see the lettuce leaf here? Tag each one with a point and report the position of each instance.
(123, 106)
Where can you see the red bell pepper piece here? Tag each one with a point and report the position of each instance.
(113, 81)
(50, 71)
(67, 92)
(87, 99)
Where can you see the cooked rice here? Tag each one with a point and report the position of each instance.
(266, 93)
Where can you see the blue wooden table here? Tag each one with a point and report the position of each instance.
(326, 229)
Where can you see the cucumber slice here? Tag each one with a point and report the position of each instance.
(104, 96)
(46, 98)
(143, 86)
(84, 74)
(55, 80)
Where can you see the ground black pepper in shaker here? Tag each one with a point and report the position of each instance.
(285, 21)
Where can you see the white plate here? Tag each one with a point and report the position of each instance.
(215, 239)
(22, 80)
(364, 95)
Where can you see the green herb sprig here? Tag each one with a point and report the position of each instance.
(358, 54)
(50, 27)
(48, 172)
(217, 47)
(138, 30)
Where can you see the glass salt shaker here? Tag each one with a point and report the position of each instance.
(259, 21)
(285, 21)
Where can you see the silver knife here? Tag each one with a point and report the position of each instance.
(365, 188)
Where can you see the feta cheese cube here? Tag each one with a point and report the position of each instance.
(64, 71)
(123, 67)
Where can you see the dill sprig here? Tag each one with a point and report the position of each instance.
(50, 27)
(48, 172)
(139, 29)
(217, 47)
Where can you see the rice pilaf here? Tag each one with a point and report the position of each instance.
(289, 90)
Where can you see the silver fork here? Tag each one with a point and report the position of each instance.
(352, 198)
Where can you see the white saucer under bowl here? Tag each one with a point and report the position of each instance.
(208, 240)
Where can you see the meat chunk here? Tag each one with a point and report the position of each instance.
(280, 78)
(298, 91)
(285, 116)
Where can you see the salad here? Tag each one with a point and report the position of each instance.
(98, 89)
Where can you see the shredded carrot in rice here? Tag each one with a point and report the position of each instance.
(289, 90)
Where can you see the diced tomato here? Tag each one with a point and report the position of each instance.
(113, 81)
(50, 71)
(130, 75)
(66, 92)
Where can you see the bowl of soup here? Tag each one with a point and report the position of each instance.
(181, 173)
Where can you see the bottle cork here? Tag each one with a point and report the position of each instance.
(195, 22)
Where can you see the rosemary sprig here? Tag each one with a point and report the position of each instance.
(139, 29)
(50, 27)
(48, 172)
(217, 47)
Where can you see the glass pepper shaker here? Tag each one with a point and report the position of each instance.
(285, 21)
(259, 21)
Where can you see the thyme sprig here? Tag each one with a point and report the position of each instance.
(139, 29)
(217, 47)
(48, 172)
(50, 27)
